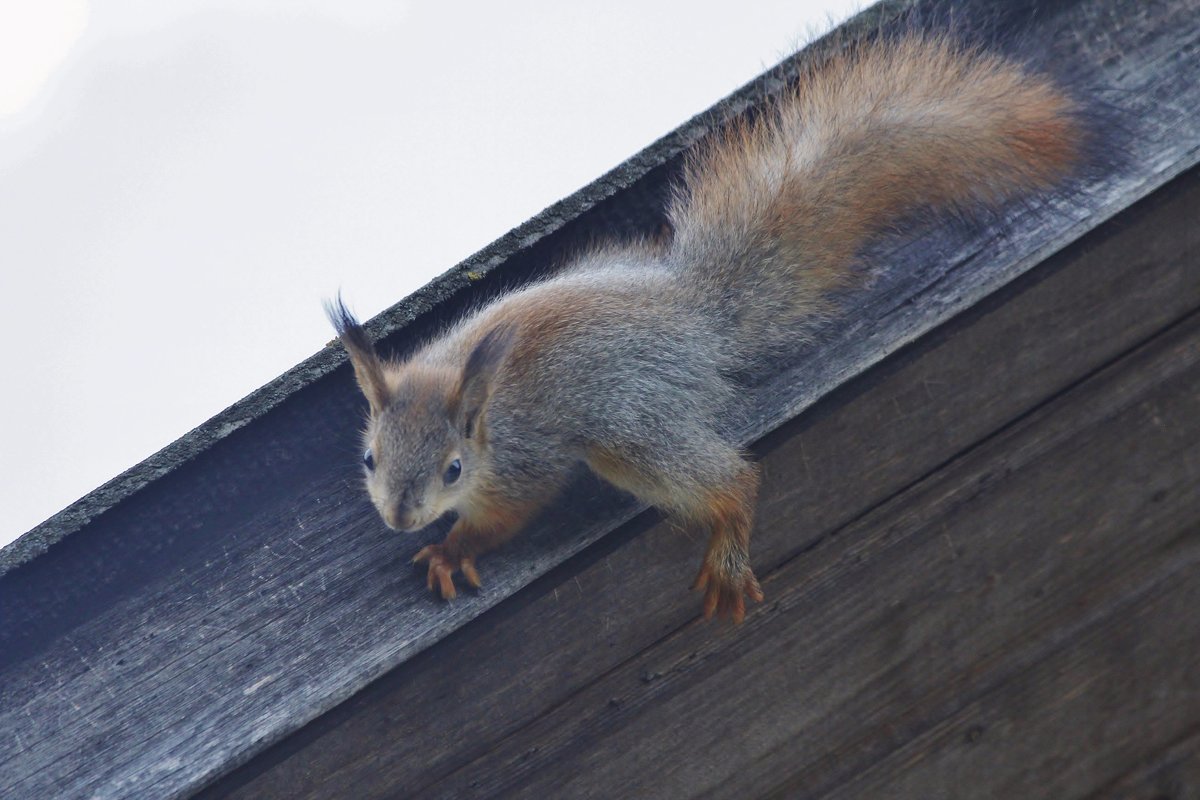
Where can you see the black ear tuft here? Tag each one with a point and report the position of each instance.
(368, 369)
(346, 325)
(479, 375)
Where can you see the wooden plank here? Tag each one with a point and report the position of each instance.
(1172, 773)
(1068, 722)
(249, 589)
(1033, 588)
(862, 445)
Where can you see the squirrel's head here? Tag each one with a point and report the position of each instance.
(425, 445)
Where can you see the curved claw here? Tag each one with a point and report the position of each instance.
(442, 566)
(467, 565)
(725, 596)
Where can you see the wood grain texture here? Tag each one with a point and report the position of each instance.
(1013, 625)
(1173, 772)
(861, 446)
(244, 591)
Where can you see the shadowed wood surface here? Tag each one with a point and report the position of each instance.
(1173, 772)
(979, 559)
(252, 588)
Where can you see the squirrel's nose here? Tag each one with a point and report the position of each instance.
(399, 517)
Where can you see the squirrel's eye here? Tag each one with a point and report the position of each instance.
(369, 460)
(452, 472)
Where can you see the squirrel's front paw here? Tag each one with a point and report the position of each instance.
(725, 592)
(442, 566)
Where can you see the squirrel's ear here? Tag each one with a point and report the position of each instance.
(479, 375)
(367, 366)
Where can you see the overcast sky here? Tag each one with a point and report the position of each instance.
(181, 183)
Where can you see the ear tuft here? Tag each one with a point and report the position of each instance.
(368, 369)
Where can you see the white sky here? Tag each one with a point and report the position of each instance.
(181, 183)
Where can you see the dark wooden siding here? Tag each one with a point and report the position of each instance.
(177, 622)
(980, 561)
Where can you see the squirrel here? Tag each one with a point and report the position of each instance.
(630, 358)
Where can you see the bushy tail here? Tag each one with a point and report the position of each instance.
(770, 215)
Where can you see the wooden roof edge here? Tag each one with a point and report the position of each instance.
(1012, 250)
(254, 695)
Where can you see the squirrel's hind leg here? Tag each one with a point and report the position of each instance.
(706, 483)
(725, 575)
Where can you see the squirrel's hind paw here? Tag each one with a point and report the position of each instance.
(724, 594)
(442, 566)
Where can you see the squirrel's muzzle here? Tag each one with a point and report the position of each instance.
(399, 517)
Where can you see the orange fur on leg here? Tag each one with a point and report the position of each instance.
(725, 575)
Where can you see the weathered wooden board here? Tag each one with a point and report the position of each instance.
(1022, 623)
(1114, 289)
(1170, 774)
(251, 588)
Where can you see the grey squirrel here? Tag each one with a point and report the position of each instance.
(629, 358)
